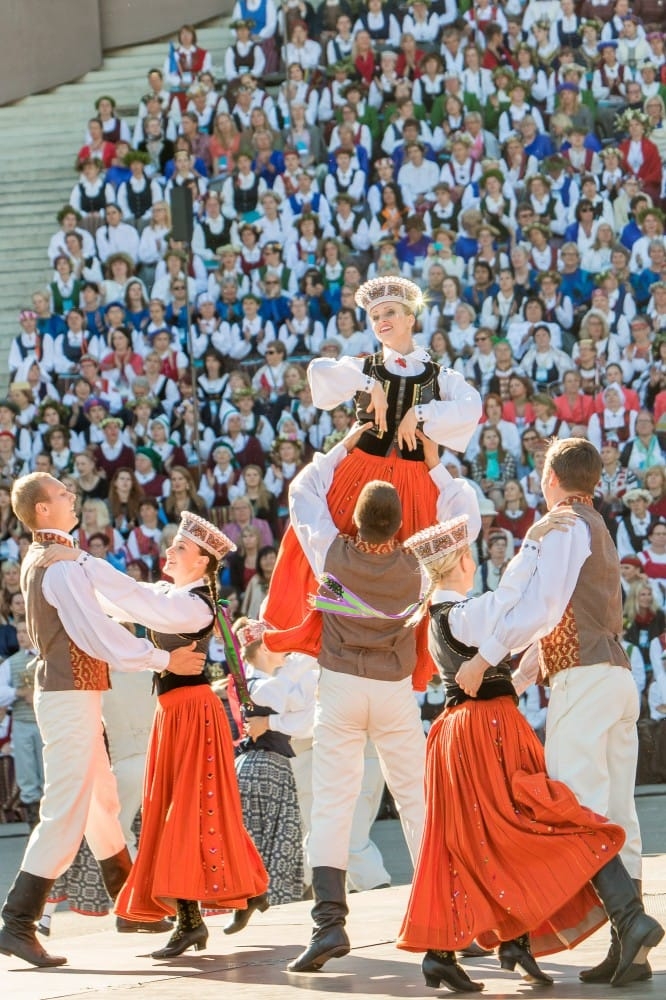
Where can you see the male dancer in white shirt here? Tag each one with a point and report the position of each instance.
(366, 659)
(77, 643)
(570, 617)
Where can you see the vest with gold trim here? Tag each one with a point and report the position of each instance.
(591, 626)
(61, 665)
(402, 393)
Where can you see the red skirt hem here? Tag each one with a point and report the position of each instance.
(505, 851)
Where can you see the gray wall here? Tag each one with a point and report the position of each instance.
(126, 22)
(47, 42)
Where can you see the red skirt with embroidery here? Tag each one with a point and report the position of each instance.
(293, 581)
(193, 844)
(505, 850)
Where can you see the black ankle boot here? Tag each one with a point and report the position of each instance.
(22, 909)
(115, 872)
(241, 918)
(190, 932)
(518, 952)
(637, 932)
(442, 967)
(329, 938)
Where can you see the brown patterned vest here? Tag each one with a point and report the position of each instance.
(379, 648)
(61, 665)
(590, 629)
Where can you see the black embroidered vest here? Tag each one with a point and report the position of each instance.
(402, 392)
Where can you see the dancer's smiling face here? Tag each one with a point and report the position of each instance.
(392, 325)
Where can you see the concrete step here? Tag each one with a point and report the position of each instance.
(63, 178)
(41, 201)
(25, 273)
(26, 234)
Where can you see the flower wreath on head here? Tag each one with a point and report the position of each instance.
(630, 115)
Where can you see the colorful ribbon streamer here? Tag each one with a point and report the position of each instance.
(348, 604)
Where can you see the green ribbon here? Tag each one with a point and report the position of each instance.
(232, 653)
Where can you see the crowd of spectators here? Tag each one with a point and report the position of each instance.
(508, 157)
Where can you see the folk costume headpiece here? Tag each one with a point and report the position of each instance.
(251, 632)
(431, 544)
(391, 288)
(205, 535)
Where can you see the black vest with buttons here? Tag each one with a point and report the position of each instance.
(449, 654)
(402, 393)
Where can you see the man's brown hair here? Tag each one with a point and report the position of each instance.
(576, 463)
(378, 512)
(27, 492)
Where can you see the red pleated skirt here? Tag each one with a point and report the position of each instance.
(293, 581)
(505, 850)
(193, 843)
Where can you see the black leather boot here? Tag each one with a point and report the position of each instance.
(190, 932)
(329, 938)
(603, 972)
(241, 918)
(23, 907)
(518, 952)
(442, 967)
(637, 932)
(115, 872)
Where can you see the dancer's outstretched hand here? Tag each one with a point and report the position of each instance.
(470, 674)
(354, 434)
(378, 405)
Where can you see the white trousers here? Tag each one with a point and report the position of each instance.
(80, 793)
(129, 773)
(365, 866)
(350, 710)
(592, 745)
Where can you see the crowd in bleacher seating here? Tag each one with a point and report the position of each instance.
(507, 156)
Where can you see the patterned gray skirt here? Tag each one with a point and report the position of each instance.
(272, 818)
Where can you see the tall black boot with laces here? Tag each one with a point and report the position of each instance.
(190, 932)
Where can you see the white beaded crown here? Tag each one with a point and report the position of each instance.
(205, 534)
(391, 288)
